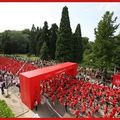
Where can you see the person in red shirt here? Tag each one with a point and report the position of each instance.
(106, 109)
(61, 100)
(89, 115)
(105, 116)
(93, 110)
(102, 101)
(53, 98)
(66, 105)
(107, 100)
(77, 113)
(96, 108)
(112, 114)
(90, 103)
(118, 110)
(83, 108)
(114, 101)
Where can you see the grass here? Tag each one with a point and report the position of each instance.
(5, 111)
(24, 56)
(33, 57)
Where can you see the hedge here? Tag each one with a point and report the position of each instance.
(5, 111)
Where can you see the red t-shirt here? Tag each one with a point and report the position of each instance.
(102, 101)
(89, 115)
(53, 98)
(77, 112)
(105, 109)
(113, 112)
(96, 108)
(118, 109)
(83, 108)
(90, 103)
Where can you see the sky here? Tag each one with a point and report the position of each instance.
(19, 16)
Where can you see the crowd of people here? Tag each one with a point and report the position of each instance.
(79, 96)
(84, 99)
(100, 75)
(11, 66)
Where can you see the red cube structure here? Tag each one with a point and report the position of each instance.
(30, 81)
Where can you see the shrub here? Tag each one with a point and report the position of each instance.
(5, 111)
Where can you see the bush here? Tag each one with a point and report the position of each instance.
(29, 55)
(5, 111)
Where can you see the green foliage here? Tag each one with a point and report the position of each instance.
(104, 43)
(5, 111)
(29, 55)
(32, 44)
(88, 56)
(116, 52)
(45, 34)
(39, 41)
(46, 42)
(64, 47)
(53, 38)
(85, 41)
(77, 45)
(14, 42)
(44, 53)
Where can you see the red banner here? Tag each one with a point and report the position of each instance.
(59, 0)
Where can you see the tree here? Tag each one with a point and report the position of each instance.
(45, 37)
(44, 53)
(78, 45)
(85, 41)
(53, 39)
(33, 41)
(5, 41)
(64, 47)
(45, 33)
(88, 56)
(39, 41)
(104, 33)
(116, 52)
(14, 42)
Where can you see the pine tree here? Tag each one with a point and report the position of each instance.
(103, 47)
(116, 52)
(64, 46)
(78, 46)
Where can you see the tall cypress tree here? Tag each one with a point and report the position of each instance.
(78, 46)
(45, 39)
(64, 41)
(45, 34)
(33, 40)
(39, 41)
(53, 39)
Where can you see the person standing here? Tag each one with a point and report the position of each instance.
(2, 87)
(36, 105)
